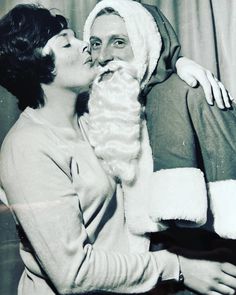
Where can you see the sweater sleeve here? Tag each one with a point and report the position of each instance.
(44, 202)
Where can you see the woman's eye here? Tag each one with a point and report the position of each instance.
(67, 45)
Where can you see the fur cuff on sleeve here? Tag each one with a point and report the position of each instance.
(178, 194)
(223, 205)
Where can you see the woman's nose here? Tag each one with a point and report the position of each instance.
(85, 47)
(81, 45)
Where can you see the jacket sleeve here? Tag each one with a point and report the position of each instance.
(47, 208)
(193, 145)
(177, 189)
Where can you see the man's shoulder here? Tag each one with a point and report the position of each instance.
(173, 82)
(174, 88)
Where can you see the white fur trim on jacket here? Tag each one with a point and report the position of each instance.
(136, 196)
(136, 199)
(223, 205)
(178, 194)
(142, 30)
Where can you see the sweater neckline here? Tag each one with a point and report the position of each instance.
(61, 132)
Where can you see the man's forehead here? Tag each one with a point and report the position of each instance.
(108, 25)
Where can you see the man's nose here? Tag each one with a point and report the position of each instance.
(105, 56)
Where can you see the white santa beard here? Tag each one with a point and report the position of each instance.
(114, 124)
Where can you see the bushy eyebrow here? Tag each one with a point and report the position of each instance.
(117, 36)
(112, 37)
(94, 38)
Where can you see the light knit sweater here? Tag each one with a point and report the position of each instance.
(75, 238)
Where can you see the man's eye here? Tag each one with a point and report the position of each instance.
(95, 45)
(119, 43)
(67, 45)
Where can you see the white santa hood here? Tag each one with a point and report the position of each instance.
(142, 31)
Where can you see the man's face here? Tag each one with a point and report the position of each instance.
(109, 40)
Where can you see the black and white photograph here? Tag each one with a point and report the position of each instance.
(117, 147)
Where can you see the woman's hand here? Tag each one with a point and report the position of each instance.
(192, 73)
(208, 277)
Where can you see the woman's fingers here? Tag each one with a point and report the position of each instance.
(221, 95)
(216, 90)
(224, 289)
(193, 73)
(207, 86)
(229, 269)
(225, 95)
(226, 281)
(229, 292)
(208, 277)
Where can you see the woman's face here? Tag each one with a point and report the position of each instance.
(72, 60)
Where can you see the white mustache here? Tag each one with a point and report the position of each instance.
(122, 66)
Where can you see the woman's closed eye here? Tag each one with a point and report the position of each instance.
(67, 45)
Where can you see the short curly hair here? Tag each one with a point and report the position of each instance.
(24, 31)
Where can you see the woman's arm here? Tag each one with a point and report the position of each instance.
(43, 199)
(188, 70)
(193, 73)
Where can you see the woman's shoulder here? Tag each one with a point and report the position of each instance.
(31, 144)
(25, 135)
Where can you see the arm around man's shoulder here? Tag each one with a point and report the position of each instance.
(171, 100)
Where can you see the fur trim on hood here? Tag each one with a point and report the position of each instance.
(142, 30)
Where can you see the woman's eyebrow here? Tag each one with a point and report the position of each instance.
(62, 35)
(66, 33)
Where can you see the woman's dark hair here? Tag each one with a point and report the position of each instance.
(24, 31)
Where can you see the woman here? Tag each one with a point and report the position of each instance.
(72, 227)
